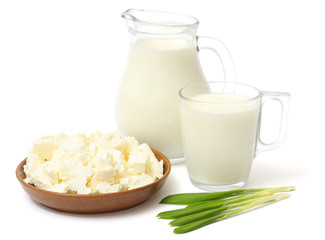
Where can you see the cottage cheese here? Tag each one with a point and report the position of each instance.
(95, 163)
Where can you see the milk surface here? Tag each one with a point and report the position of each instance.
(147, 100)
(219, 137)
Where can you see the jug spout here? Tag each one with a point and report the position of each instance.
(159, 22)
(128, 14)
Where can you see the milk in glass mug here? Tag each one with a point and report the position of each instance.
(220, 125)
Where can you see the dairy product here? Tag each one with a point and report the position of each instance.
(147, 99)
(95, 163)
(219, 137)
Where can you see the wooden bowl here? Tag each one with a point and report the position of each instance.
(94, 203)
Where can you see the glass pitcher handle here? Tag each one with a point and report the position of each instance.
(223, 54)
(283, 98)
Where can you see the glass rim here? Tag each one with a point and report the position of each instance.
(130, 15)
(181, 95)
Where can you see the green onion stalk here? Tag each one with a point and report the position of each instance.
(205, 208)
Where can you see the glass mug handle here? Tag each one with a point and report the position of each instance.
(283, 98)
(223, 54)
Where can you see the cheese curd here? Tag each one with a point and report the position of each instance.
(95, 163)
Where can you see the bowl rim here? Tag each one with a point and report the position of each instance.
(166, 169)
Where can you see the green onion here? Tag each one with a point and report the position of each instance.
(200, 223)
(202, 206)
(205, 208)
(186, 198)
(259, 192)
(197, 216)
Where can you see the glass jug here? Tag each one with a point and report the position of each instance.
(163, 57)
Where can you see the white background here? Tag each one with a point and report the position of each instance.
(60, 64)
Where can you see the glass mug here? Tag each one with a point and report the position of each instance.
(220, 125)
